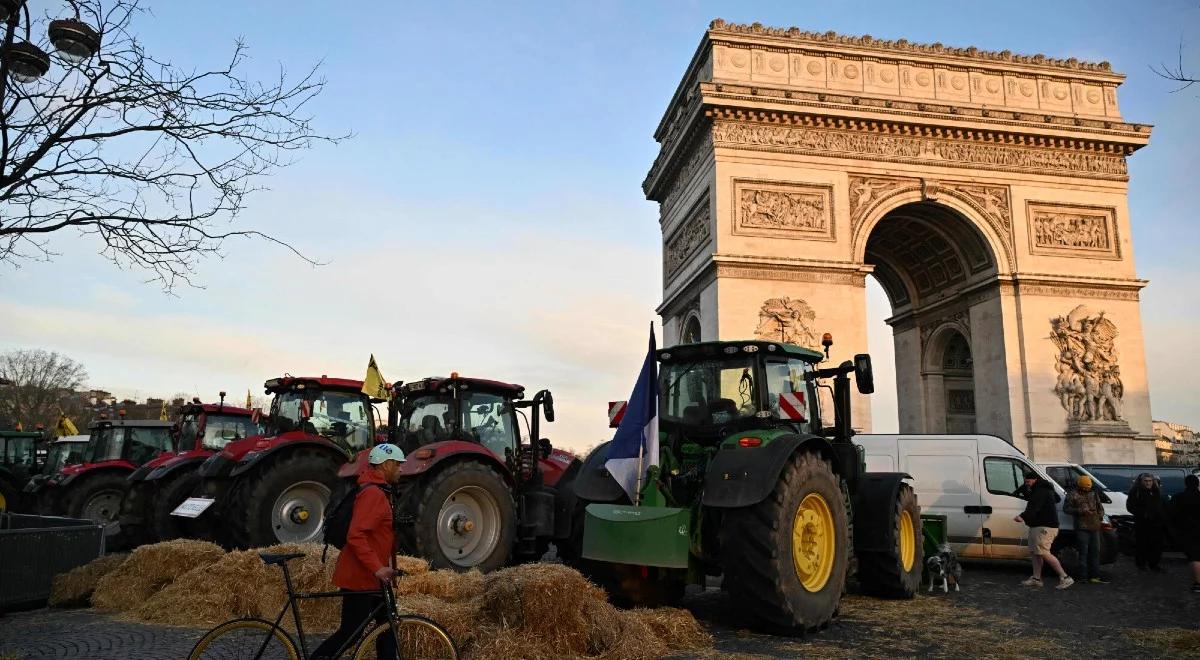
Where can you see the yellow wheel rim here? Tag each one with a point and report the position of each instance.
(814, 542)
(908, 541)
(3, 502)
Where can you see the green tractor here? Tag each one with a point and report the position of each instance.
(751, 486)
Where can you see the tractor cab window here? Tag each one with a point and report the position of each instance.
(220, 430)
(105, 444)
(18, 451)
(788, 398)
(188, 428)
(427, 419)
(343, 417)
(708, 393)
(490, 422)
(56, 457)
(144, 444)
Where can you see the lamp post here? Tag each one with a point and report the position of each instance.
(24, 61)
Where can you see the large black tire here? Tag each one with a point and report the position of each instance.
(135, 512)
(762, 570)
(897, 573)
(98, 498)
(170, 494)
(462, 493)
(252, 503)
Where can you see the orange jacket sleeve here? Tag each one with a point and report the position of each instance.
(371, 514)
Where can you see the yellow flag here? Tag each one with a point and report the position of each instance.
(162, 414)
(65, 427)
(373, 384)
(249, 404)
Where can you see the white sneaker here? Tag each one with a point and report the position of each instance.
(1065, 583)
(1031, 582)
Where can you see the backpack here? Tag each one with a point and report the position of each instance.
(336, 526)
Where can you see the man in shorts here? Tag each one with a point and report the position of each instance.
(1041, 516)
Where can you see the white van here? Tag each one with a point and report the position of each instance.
(971, 479)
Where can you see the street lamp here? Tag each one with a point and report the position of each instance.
(75, 41)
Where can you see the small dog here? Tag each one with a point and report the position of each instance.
(943, 568)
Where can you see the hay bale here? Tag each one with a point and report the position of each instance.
(240, 584)
(545, 603)
(462, 619)
(150, 568)
(444, 584)
(411, 565)
(75, 587)
(676, 627)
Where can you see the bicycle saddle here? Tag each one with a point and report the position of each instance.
(279, 559)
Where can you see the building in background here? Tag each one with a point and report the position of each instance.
(1176, 444)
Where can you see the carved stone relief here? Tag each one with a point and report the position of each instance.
(960, 320)
(903, 148)
(1073, 231)
(783, 210)
(787, 320)
(1089, 378)
(693, 234)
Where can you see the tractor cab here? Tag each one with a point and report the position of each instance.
(18, 463)
(67, 450)
(474, 410)
(333, 408)
(128, 442)
(211, 426)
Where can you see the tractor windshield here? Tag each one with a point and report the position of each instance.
(708, 393)
(426, 419)
(481, 417)
(220, 430)
(105, 444)
(19, 451)
(189, 426)
(343, 417)
(56, 458)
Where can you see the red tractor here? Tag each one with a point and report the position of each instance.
(473, 494)
(157, 487)
(94, 488)
(274, 488)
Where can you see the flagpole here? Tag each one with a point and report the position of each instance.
(637, 493)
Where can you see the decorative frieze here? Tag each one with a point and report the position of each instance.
(783, 210)
(1089, 379)
(787, 320)
(789, 274)
(924, 150)
(693, 234)
(1066, 230)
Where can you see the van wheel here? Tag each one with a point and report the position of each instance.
(897, 573)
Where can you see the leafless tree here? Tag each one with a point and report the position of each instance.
(1176, 73)
(42, 382)
(152, 160)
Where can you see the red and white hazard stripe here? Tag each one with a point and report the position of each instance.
(792, 406)
(616, 411)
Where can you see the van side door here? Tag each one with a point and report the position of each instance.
(946, 483)
(1002, 477)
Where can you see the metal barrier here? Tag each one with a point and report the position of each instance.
(33, 549)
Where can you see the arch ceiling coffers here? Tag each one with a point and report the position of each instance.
(987, 207)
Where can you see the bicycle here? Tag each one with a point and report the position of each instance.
(258, 639)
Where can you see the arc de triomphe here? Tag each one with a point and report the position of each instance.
(987, 193)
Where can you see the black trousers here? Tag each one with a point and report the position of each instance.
(356, 607)
(1148, 543)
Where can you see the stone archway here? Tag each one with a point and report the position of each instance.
(987, 193)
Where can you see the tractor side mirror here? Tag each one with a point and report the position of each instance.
(548, 405)
(864, 376)
(544, 447)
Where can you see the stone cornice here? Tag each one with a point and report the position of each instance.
(720, 27)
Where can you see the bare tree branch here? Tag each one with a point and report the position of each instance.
(152, 161)
(1177, 74)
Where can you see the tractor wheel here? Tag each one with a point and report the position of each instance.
(284, 501)
(163, 525)
(135, 509)
(98, 499)
(785, 558)
(465, 519)
(897, 574)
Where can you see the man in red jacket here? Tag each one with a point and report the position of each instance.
(365, 564)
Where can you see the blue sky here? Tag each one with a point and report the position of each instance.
(487, 215)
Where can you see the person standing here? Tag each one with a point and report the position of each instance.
(1041, 516)
(1084, 503)
(1185, 514)
(365, 563)
(1149, 521)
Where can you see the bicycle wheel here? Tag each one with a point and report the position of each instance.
(417, 638)
(245, 639)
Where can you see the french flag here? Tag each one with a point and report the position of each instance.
(635, 444)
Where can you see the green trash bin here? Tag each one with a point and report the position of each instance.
(933, 528)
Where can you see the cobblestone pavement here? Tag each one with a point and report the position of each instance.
(993, 617)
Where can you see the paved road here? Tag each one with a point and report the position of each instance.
(993, 617)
